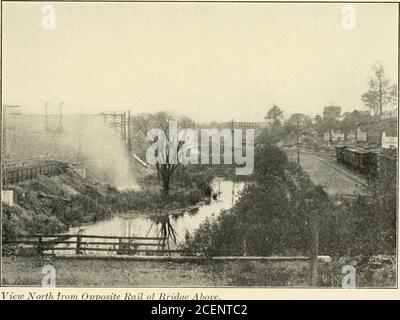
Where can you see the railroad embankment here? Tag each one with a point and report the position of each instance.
(52, 204)
(73, 197)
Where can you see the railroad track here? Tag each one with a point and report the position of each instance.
(332, 163)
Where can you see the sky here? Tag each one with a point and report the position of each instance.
(209, 61)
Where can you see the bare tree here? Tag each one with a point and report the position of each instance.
(381, 93)
(167, 165)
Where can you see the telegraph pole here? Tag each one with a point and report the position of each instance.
(314, 248)
(46, 117)
(129, 142)
(3, 148)
(3, 133)
(123, 127)
(298, 151)
(233, 139)
(60, 124)
(79, 140)
(233, 193)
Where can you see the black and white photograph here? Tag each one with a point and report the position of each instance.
(199, 145)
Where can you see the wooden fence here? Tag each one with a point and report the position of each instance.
(151, 247)
(79, 244)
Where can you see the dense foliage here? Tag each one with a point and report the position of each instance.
(273, 214)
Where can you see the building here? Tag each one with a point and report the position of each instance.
(332, 112)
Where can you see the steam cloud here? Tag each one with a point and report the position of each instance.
(84, 137)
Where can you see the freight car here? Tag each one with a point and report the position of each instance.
(362, 161)
(340, 153)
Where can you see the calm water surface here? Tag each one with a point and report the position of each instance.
(145, 225)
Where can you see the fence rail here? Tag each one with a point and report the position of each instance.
(151, 247)
(83, 243)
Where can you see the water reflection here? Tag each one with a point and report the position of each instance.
(164, 228)
(176, 227)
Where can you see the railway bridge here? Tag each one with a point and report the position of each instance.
(245, 124)
(15, 173)
(28, 169)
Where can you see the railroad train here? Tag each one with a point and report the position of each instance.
(368, 162)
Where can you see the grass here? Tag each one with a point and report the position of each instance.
(26, 271)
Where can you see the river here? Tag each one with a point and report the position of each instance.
(147, 225)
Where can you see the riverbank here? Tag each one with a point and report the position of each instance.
(75, 197)
(176, 225)
(116, 273)
(53, 204)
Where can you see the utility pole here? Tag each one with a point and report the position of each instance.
(123, 127)
(298, 151)
(314, 248)
(233, 139)
(118, 126)
(79, 140)
(233, 193)
(129, 142)
(60, 125)
(3, 148)
(46, 117)
(3, 133)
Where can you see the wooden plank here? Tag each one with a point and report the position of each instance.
(81, 242)
(116, 237)
(106, 249)
(123, 243)
(36, 242)
(89, 236)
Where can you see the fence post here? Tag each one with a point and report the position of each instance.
(78, 244)
(244, 248)
(314, 249)
(162, 246)
(120, 248)
(40, 246)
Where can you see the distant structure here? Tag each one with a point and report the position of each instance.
(59, 126)
(334, 136)
(332, 112)
(297, 117)
(388, 142)
(390, 114)
(361, 135)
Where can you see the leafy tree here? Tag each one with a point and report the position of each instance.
(353, 120)
(326, 125)
(269, 160)
(381, 93)
(302, 122)
(274, 116)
